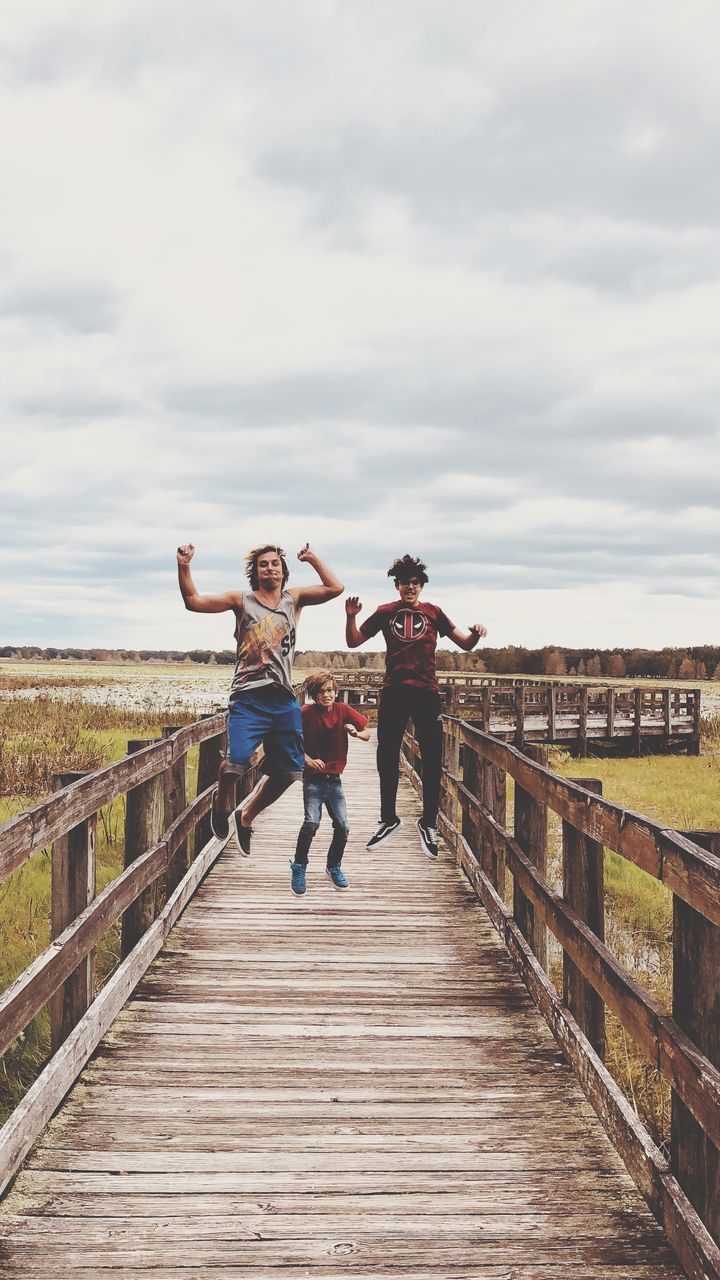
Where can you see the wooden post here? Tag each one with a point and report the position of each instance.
(175, 800)
(451, 765)
(611, 713)
(210, 755)
(637, 723)
(494, 798)
(695, 1160)
(552, 712)
(582, 721)
(73, 889)
(485, 714)
(472, 780)
(143, 828)
(695, 745)
(531, 835)
(583, 889)
(667, 717)
(520, 717)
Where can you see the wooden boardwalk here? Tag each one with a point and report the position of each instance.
(345, 1085)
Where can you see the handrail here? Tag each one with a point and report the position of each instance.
(155, 778)
(22, 835)
(684, 1050)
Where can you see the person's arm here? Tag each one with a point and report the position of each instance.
(353, 636)
(355, 724)
(363, 735)
(330, 587)
(314, 766)
(190, 594)
(468, 639)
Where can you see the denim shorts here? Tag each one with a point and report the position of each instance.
(269, 715)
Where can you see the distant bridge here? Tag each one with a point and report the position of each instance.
(357, 1084)
(584, 718)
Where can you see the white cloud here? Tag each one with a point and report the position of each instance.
(355, 272)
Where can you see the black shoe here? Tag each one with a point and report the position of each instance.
(384, 831)
(243, 835)
(219, 822)
(428, 839)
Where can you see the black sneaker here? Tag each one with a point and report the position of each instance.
(428, 839)
(384, 831)
(243, 835)
(219, 822)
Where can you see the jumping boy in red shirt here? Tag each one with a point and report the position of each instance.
(326, 726)
(411, 628)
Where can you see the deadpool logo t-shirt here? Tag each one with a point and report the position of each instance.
(411, 635)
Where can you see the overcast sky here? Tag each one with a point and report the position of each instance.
(438, 276)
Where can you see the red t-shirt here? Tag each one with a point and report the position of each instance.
(411, 635)
(325, 733)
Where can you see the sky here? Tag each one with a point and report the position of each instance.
(388, 276)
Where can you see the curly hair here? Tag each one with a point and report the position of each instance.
(252, 558)
(408, 567)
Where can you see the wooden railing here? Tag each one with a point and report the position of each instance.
(685, 1044)
(159, 821)
(582, 717)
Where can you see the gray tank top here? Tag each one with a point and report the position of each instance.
(265, 644)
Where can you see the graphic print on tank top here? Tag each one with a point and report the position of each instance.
(265, 643)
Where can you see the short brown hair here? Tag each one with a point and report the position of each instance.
(315, 682)
(252, 558)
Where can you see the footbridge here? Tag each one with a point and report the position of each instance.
(380, 1082)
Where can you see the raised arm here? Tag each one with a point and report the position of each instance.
(353, 637)
(190, 594)
(330, 587)
(468, 639)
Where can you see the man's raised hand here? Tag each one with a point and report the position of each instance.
(185, 553)
(353, 605)
(477, 629)
(306, 553)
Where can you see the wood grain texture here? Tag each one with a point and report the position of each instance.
(342, 1085)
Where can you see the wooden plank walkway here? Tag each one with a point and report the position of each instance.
(345, 1085)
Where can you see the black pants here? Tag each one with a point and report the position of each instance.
(398, 704)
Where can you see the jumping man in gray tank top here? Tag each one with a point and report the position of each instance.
(263, 707)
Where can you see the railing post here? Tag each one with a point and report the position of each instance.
(485, 713)
(637, 721)
(531, 835)
(451, 765)
(175, 800)
(667, 717)
(583, 890)
(210, 756)
(73, 889)
(552, 712)
(520, 717)
(582, 721)
(493, 795)
(695, 747)
(695, 1160)
(143, 828)
(611, 713)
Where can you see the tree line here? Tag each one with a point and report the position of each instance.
(698, 662)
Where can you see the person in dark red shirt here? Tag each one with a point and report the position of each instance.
(411, 629)
(326, 726)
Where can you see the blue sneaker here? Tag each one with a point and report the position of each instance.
(297, 878)
(338, 877)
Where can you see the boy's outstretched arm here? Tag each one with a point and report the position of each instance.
(190, 594)
(468, 639)
(353, 636)
(331, 584)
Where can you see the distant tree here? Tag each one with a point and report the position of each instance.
(686, 670)
(554, 663)
(716, 672)
(594, 667)
(615, 666)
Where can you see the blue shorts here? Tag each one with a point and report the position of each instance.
(269, 715)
